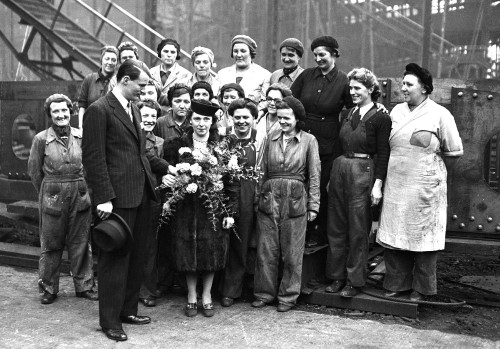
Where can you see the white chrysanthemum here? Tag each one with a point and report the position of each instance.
(212, 161)
(195, 169)
(233, 163)
(192, 188)
(229, 223)
(182, 167)
(198, 155)
(184, 150)
(218, 186)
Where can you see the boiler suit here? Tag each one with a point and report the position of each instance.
(56, 171)
(289, 189)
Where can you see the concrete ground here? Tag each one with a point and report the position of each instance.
(73, 323)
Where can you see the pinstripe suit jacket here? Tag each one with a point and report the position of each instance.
(114, 157)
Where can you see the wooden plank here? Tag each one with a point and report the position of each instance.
(362, 302)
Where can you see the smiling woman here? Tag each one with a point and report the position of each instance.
(95, 85)
(356, 184)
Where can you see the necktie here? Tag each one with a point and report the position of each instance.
(129, 112)
(164, 76)
(356, 116)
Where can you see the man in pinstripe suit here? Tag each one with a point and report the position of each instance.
(120, 177)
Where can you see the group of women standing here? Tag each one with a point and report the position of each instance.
(318, 168)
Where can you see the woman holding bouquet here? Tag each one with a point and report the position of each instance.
(200, 244)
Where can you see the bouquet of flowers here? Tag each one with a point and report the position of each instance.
(203, 172)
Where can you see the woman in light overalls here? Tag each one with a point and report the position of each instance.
(56, 170)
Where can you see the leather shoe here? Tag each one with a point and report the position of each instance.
(393, 294)
(283, 308)
(335, 286)
(208, 310)
(226, 301)
(136, 319)
(416, 296)
(116, 335)
(258, 303)
(47, 298)
(89, 294)
(191, 309)
(349, 291)
(148, 302)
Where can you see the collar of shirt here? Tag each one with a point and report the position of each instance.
(363, 110)
(51, 134)
(330, 76)
(123, 101)
(102, 77)
(278, 135)
(151, 137)
(293, 75)
(172, 69)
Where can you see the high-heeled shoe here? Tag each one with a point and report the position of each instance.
(208, 310)
(191, 309)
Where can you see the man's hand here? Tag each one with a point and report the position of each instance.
(104, 210)
(168, 180)
(311, 216)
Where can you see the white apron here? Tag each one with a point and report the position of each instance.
(414, 209)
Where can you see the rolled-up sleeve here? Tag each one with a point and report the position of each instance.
(451, 143)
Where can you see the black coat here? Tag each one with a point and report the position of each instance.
(196, 245)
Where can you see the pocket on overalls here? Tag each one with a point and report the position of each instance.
(266, 201)
(51, 199)
(297, 200)
(83, 203)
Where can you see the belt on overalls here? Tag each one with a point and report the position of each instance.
(317, 117)
(351, 155)
(62, 178)
(286, 175)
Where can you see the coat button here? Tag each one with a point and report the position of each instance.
(319, 91)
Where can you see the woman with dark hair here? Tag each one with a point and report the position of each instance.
(424, 138)
(169, 71)
(150, 110)
(202, 90)
(228, 94)
(249, 75)
(356, 184)
(202, 59)
(241, 194)
(198, 248)
(269, 123)
(287, 197)
(56, 170)
(324, 92)
(95, 85)
(175, 123)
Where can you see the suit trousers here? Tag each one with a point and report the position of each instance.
(148, 287)
(120, 274)
(411, 270)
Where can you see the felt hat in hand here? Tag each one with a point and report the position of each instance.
(113, 234)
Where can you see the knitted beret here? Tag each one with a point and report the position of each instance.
(245, 39)
(423, 74)
(326, 41)
(295, 44)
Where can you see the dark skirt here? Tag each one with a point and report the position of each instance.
(197, 245)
